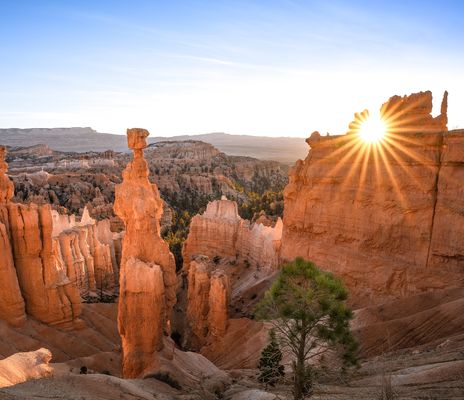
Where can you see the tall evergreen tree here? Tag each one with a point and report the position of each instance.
(270, 367)
(307, 308)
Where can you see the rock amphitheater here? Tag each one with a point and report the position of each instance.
(388, 220)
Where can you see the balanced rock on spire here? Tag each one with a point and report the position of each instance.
(148, 272)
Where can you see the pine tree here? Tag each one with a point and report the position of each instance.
(307, 307)
(271, 369)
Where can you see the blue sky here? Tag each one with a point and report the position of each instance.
(276, 67)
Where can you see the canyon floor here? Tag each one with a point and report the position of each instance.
(433, 370)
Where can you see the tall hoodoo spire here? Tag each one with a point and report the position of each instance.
(147, 273)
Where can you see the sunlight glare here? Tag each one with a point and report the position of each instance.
(373, 129)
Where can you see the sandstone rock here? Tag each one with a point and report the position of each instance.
(22, 367)
(6, 186)
(412, 114)
(147, 266)
(220, 232)
(207, 302)
(11, 300)
(446, 252)
(219, 295)
(88, 251)
(49, 294)
(141, 315)
(377, 215)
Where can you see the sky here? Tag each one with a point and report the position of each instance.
(272, 68)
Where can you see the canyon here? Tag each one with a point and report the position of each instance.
(387, 218)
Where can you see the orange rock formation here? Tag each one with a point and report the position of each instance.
(207, 302)
(11, 300)
(87, 249)
(388, 217)
(147, 273)
(26, 237)
(220, 231)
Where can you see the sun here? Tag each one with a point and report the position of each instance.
(373, 129)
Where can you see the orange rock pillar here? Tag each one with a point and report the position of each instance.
(147, 273)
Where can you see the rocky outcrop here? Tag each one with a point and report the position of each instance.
(147, 274)
(30, 258)
(185, 150)
(88, 250)
(221, 232)
(207, 302)
(50, 296)
(385, 217)
(11, 299)
(228, 263)
(22, 367)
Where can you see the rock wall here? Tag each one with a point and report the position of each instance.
(147, 274)
(220, 232)
(228, 263)
(49, 294)
(208, 297)
(11, 300)
(48, 260)
(88, 250)
(44, 290)
(388, 217)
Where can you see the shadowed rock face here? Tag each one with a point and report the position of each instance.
(387, 218)
(147, 274)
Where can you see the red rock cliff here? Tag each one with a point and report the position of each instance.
(388, 217)
(48, 294)
(11, 299)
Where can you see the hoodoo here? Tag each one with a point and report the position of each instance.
(26, 232)
(147, 272)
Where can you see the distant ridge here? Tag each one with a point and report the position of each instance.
(82, 139)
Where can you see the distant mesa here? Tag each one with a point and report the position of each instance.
(283, 149)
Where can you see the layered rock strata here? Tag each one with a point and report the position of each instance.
(88, 250)
(221, 232)
(208, 297)
(30, 259)
(387, 217)
(11, 300)
(147, 273)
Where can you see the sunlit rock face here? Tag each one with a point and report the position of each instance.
(386, 216)
(49, 260)
(147, 273)
(207, 302)
(221, 232)
(88, 250)
(49, 294)
(227, 261)
(11, 300)
(21, 367)
(33, 277)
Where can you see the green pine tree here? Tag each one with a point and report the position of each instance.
(270, 367)
(307, 307)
